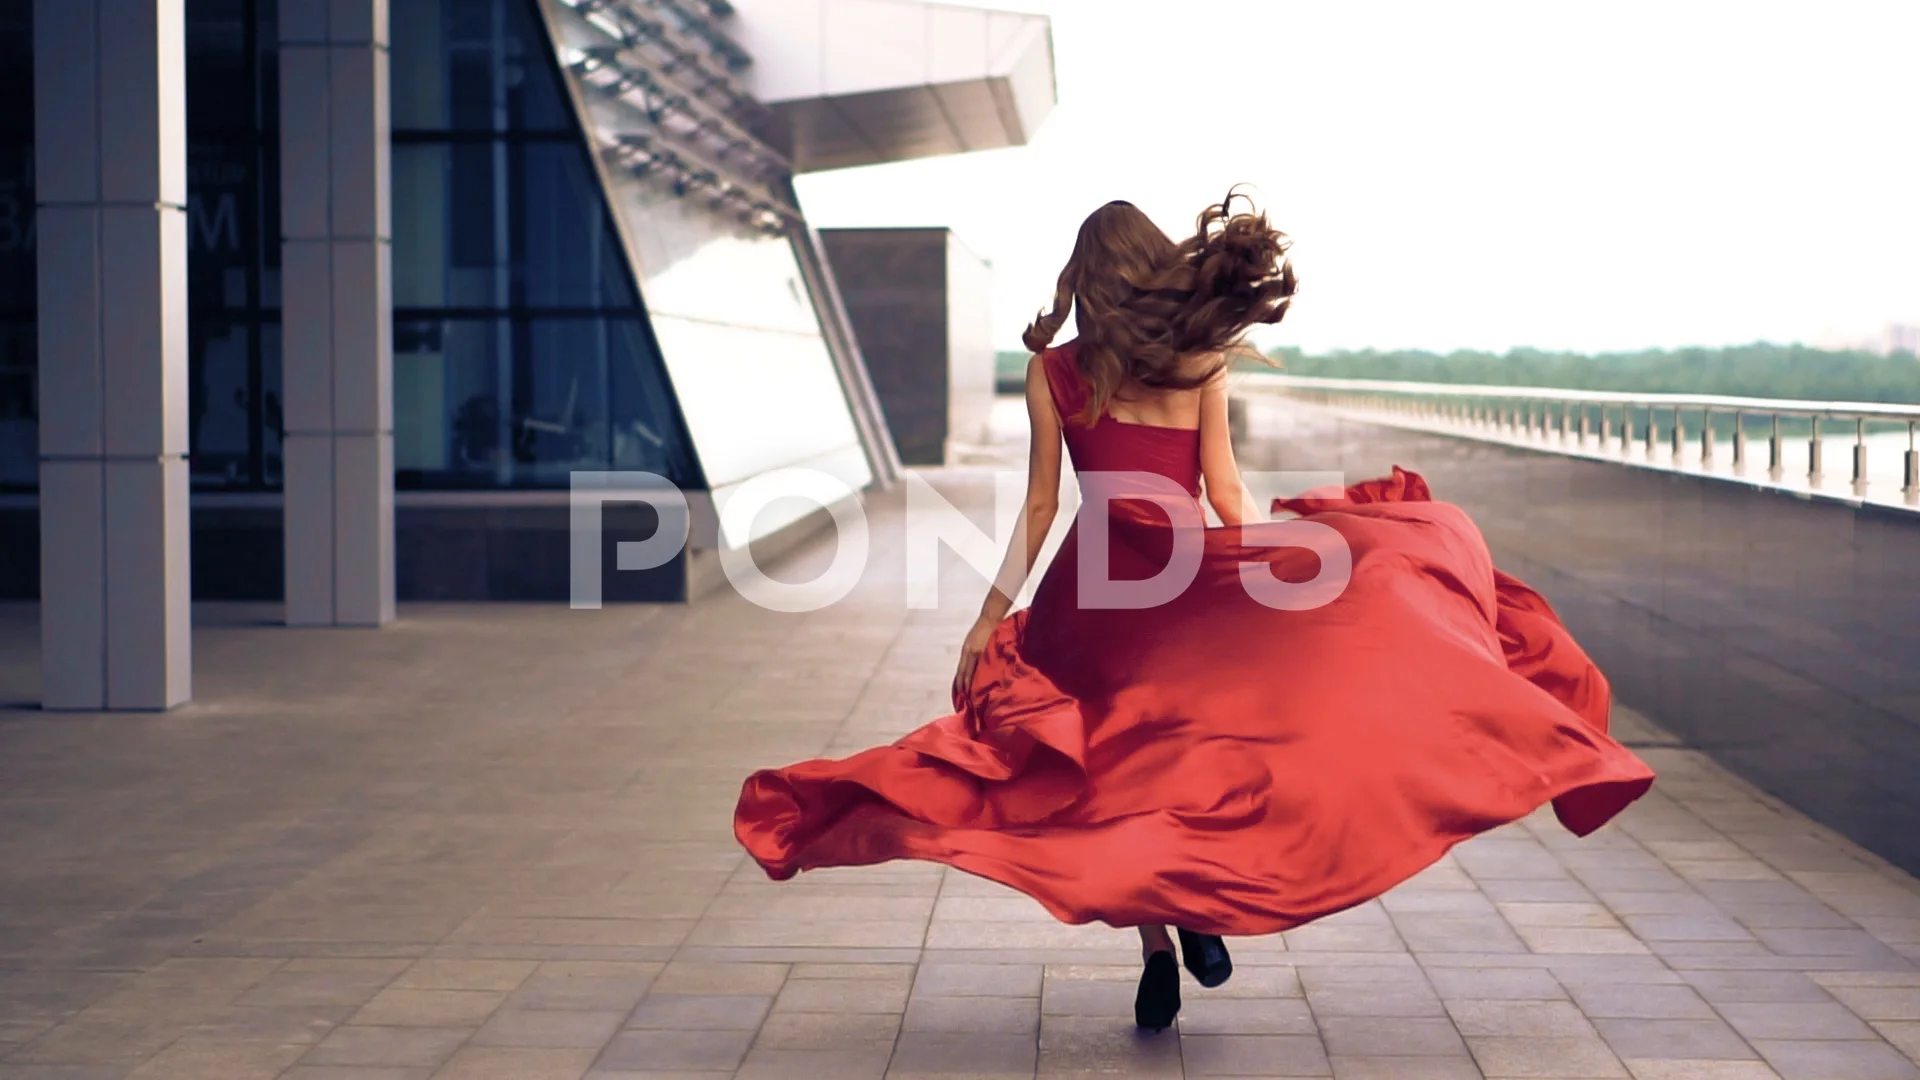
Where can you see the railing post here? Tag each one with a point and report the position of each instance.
(1739, 444)
(1813, 451)
(1911, 485)
(1586, 424)
(1706, 439)
(1860, 455)
(1679, 437)
(1626, 429)
(1606, 426)
(1776, 452)
(1653, 432)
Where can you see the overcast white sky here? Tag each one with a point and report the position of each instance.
(1475, 174)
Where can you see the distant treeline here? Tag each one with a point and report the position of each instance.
(1759, 370)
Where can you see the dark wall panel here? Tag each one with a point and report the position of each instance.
(440, 553)
(894, 285)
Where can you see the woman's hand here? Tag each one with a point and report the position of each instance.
(970, 652)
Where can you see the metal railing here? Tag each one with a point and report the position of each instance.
(1623, 427)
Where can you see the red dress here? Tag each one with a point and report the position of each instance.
(1213, 762)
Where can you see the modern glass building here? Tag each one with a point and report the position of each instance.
(330, 301)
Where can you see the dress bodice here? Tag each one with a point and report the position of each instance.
(1110, 445)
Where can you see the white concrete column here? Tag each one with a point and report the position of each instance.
(337, 311)
(110, 106)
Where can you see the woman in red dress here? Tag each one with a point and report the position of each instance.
(1229, 730)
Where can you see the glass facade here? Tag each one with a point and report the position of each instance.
(233, 247)
(19, 426)
(738, 327)
(521, 350)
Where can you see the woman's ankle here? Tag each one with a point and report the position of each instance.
(1154, 939)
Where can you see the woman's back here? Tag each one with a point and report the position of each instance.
(1156, 431)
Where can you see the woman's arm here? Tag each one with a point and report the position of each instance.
(1042, 504)
(1226, 492)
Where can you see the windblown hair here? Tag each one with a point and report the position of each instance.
(1147, 308)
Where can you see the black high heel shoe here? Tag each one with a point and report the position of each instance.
(1158, 1000)
(1206, 956)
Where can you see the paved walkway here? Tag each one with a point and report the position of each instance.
(494, 842)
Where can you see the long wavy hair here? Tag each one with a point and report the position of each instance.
(1146, 306)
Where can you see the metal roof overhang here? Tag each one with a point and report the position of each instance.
(861, 82)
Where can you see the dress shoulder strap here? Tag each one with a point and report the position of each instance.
(1064, 379)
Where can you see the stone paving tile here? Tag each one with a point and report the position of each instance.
(1703, 1038)
(1536, 1057)
(377, 1046)
(705, 1012)
(186, 1060)
(1007, 1016)
(866, 1063)
(472, 854)
(978, 980)
(1520, 1018)
(940, 1053)
(1205, 1014)
(693, 977)
(1695, 1069)
(1254, 1055)
(547, 1030)
(828, 1031)
(1829, 1059)
(1614, 1001)
(516, 1063)
(675, 1051)
(1496, 984)
(1405, 1068)
(1358, 1036)
(1082, 1048)
(879, 995)
(1799, 1021)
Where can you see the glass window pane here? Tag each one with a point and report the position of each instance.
(502, 402)
(220, 407)
(266, 236)
(646, 428)
(16, 72)
(474, 65)
(219, 75)
(570, 254)
(503, 225)
(19, 407)
(420, 193)
(273, 422)
(221, 244)
(19, 282)
(417, 59)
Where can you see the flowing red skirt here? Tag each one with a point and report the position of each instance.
(1221, 765)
